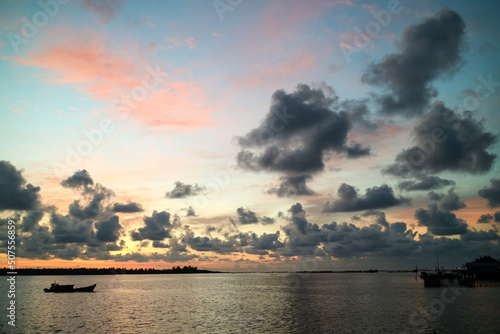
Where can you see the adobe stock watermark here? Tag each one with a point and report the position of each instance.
(419, 155)
(420, 318)
(95, 137)
(363, 38)
(223, 6)
(30, 29)
(11, 261)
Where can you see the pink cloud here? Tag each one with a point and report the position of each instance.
(108, 74)
(82, 60)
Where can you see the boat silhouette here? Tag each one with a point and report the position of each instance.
(55, 287)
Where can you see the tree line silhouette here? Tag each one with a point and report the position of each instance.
(105, 271)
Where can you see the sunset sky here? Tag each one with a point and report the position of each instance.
(250, 135)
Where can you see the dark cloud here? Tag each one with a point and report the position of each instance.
(94, 195)
(261, 245)
(190, 212)
(497, 217)
(67, 229)
(267, 220)
(490, 235)
(15, 193)
(298, 218)
(31, 220)
(182, 190)
(246, 216)
(357, 151)
(95, 198)
(379, 217)
(346, 240)
(451, 202)
(159, 244)
(484, 219)
(375, 198)
(77, 234)
(439, 222)
(232, 244)
(292, 186)
(445, 141)
(128, 207)
(492, 194)
(109, 231)
(425, 182)
(428, 50)
(359, 115)
(156, 227)
(299, 133)
(80, 179)
(433, 196)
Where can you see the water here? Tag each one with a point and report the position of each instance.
(251, 303)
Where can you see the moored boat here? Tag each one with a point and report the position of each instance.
(55, 287)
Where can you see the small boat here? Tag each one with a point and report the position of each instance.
(55, 287)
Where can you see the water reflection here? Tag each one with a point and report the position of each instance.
(249, 303)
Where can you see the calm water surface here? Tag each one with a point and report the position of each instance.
(252, 303)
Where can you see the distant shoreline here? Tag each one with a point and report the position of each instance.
(102, 271)
(175, 270)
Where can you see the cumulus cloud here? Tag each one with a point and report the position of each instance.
(425, 182)
(246, 216)
(374, 198)
(157, 227)
(346, 240)
(440, 222)
(261, 245)
(433, 196)
(31, 220)
(182, 190)
(451, 202)
(80, 179)
(129, 207)
(190, 212)
(428, 50)
(95, 198)
(267, 220)
(292, 186)
(108, 231)
(67, 229)
(16, 194)
(298, 218)
(445, 141)
(484, 219)
(379, 217)
(483, 236)
(492, 194)
(301, 131)
(230, 244)
(160, 244)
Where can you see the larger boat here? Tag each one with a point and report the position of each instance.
(55, 287)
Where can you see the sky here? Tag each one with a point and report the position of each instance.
(247, 135)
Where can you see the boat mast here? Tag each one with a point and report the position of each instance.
(437, 258)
